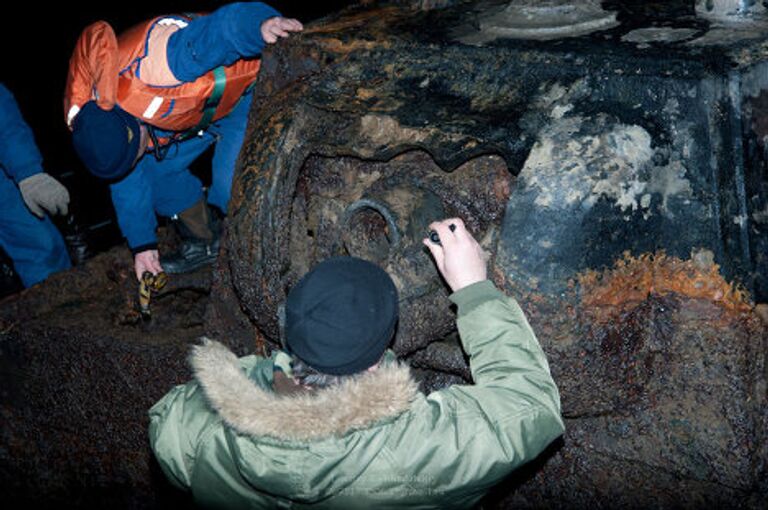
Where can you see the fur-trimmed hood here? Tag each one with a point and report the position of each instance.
(356, 403)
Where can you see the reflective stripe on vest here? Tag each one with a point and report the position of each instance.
(185, 108)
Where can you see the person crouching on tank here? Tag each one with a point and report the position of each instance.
(142, 107)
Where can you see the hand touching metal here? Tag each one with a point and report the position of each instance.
(41, 191)
(148, 260)
(276, 27)
(458, 257)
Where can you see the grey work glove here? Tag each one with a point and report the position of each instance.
(41, 191)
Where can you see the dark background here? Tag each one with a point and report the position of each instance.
(37, 40)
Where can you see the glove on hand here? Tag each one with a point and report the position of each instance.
(41, 191)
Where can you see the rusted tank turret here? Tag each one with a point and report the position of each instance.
(609, 155)
(616, 173)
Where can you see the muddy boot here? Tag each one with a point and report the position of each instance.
(199, 231)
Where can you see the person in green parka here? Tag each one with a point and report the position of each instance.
(334, 421)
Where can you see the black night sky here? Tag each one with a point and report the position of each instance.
(37, 40)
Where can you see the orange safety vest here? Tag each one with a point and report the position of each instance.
(103, 67)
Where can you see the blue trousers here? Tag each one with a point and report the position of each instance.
(167, 187)
(35, 246)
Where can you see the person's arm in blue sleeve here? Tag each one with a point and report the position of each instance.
(21, 160)
(134, 210)
(226, 35)
(19, 155)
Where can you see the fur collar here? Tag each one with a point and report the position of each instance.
(252, 410)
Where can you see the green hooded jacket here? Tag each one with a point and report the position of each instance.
(373, 441)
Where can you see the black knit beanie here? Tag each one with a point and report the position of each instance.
(340, 317)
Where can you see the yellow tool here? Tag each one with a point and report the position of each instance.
(149, 283)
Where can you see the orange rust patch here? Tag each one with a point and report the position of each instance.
(762, 312)
(633, 279)
(365, 93)
(501, 188)
(260, 343)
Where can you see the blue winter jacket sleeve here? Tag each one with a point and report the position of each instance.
(226, 35)
(19, 156)
(135, 213)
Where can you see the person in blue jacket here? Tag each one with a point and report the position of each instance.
(143, 107)
(27, 235)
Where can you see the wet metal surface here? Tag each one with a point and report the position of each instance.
(541, 20)
(79, 369)
(624, 206)
(381, 212)
(617, 179)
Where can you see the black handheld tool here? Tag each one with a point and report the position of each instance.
(436, 238)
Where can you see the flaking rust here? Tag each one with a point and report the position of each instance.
(633, 279)
(617, 180)
(563, 157)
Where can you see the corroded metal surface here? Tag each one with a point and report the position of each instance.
(662, 406)
(370, 86)
(79, 369)
(542, 20)
(380, 211)
(617, 180)
(618, 183)
(74, 419)
(740, 10)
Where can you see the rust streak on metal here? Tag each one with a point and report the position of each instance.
(338, 46)
(365, 93)
(633, 279)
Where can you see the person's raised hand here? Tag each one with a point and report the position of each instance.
(458, 257)
(273, 28)
(148, 260)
